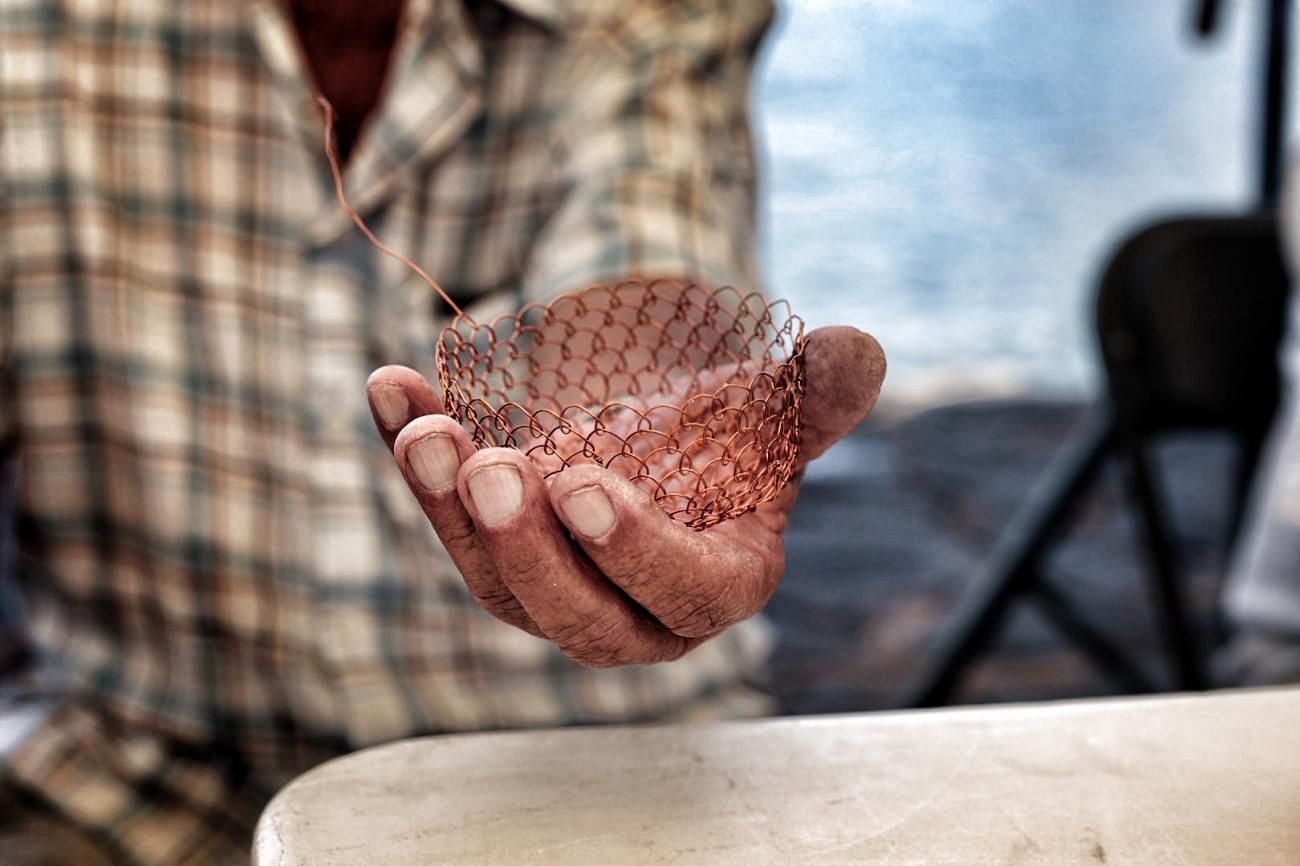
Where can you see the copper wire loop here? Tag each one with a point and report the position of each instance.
(693, 395)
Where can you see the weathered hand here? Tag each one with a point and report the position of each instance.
(585, 559)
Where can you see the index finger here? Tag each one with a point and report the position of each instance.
(398, 395)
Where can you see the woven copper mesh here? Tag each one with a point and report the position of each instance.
(692, 395)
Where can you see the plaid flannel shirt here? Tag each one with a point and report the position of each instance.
(225, 578)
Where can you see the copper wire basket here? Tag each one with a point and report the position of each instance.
(693, 395)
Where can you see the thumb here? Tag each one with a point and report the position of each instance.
(845, 368)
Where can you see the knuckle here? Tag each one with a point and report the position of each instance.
(494, 598)
(525, 571)
(701, 612)
(599, 643)
(633, 567)
(608, 642)
(454, 530)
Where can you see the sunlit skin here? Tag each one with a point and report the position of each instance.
(646, 588)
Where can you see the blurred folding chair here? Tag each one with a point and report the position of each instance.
(1189, 319)
(1189, 316)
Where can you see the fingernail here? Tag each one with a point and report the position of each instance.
(434, 462)
(391, 405)
(589, 511)
(498, 493)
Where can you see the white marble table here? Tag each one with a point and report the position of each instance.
(1182, 780)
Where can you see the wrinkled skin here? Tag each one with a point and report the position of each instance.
(646, 588)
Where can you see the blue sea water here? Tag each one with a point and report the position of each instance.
(948, 174)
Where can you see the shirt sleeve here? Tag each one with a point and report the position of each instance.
(655, 150)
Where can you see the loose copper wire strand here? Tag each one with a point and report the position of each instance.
(356, 217)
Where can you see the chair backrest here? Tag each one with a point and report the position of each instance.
(1190, 314)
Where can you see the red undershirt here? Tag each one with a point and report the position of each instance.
(348, 45)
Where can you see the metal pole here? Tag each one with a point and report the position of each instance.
(1207, 18)
(1272, 120)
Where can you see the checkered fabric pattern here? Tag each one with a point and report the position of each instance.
(226, 580)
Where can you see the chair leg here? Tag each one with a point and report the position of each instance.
(1167, 593)
(1113, 661)
(1250, 453)
(1012, 565)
